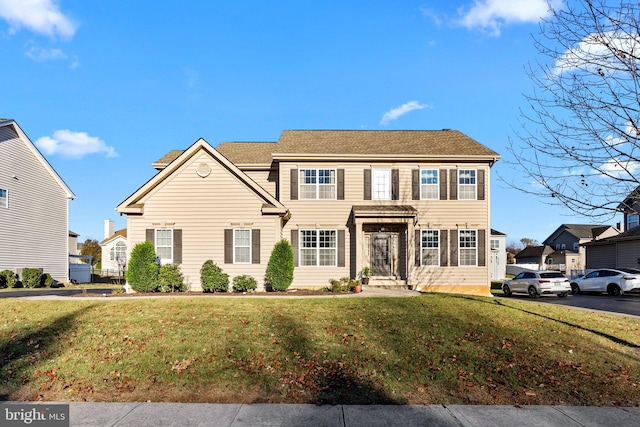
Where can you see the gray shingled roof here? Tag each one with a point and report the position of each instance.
(585, 231)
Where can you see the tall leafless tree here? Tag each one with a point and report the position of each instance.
(578, 143)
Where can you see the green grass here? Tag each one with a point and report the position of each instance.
(430, 349)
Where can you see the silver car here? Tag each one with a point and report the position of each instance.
(612, 281)
(536, 283)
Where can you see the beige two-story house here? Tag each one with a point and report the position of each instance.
(413, 206)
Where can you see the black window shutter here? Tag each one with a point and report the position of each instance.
(444, 248)
(294, 184)
(418, 247)
(367, 184)
(415, 184)
(443, 184)
(482, 253)
(177, 246)
(340, 194)
(480, 184)
(341, 256)
(150, 235)
(228, 246)
(454, 248)
(395, 184)
(255, 246)
(454, 184)
(294, 245)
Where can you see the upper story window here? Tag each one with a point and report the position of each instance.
(242, 246)
(429, 187)
(495, 244)
(430, 248)
(467, 184)
(164, 245)
(381, 184)
(633, 220)
(4, 198)
(317, 183)
(318, 248)
(576, 247)
(468, 245)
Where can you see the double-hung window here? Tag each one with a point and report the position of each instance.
(164, 245)
(495, 244)
(242, 246)
(317, 184)
(430, 248)
(468, 247)
(318, 248)
(467, 184)
(633, 220)
(4, 198)
(381, 184)
(429, 188)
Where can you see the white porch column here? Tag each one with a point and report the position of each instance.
(359, 237)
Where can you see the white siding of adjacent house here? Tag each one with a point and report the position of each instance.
(203, 208)
(442, 214)
(34, 228)
(110, 267)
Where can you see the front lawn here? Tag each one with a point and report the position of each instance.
(431, 349)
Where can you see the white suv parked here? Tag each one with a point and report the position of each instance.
(536, 283)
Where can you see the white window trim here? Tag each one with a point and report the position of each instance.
(460, 247)
(497, 246)
(317, 184)
(163, 260)
(317, 248)
(5, 198)
(236, 246)
(436, 185)
(373, 183)
(474, 185)
(422, 248)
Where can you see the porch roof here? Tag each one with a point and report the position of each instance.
(395, 211)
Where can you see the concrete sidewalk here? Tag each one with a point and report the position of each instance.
(236, 415)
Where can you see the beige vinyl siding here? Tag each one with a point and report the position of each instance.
(34, 230)
(264, 178)
(203, 208)
(442, 214)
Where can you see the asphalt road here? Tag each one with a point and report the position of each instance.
(626, 304)
(61, 292)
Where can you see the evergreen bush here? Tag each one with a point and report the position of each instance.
(32, 278)
(212, 278)
(170, 279)
(47, 281)
(244, 283)
(279, 273)
(142, 273)
(7, 279)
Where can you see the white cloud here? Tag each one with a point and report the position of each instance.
(620, 168)
(41, 54)
(397, 112)
(491, 15)
(72, 144)
(596, 51)
(39, 16)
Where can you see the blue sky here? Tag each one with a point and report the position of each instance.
(106, 88)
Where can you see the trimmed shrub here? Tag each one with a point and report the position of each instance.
(47, 281)
(212, 278)
(142, 273)
(343, 285)
(279, 273)
(170, 279)
(244, 283)
(32, 278)
(8, 279)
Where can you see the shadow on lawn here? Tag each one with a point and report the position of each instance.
(593, 331)
(322, 378)
(24, 349)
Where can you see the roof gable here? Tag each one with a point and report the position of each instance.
(38, 155)
(133, 204)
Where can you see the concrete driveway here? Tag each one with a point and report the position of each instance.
(626, 304)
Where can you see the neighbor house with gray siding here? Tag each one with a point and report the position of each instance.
(411, 205)
(34, 207)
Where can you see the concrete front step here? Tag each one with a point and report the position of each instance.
(387, 284)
